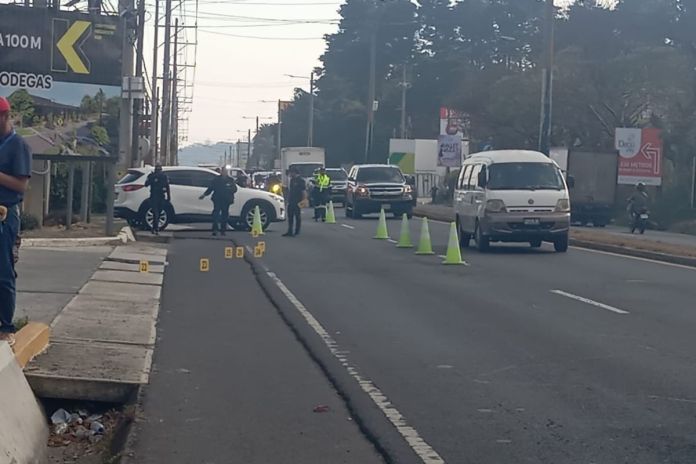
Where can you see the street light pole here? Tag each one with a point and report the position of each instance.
(310, 130)
(547, 80)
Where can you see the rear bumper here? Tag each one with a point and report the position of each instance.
(367, 206)
(514, 227)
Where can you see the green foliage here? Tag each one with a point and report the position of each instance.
(100, 135)
(22, 106)
(634, 65)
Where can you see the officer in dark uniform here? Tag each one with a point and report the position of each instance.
(159, 194)
(297, 194)
(15, 170)
(223, 188)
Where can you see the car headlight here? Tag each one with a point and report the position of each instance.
(495, 206)
(278, 198)
(277, 188)
(408, 189)
(362, 191)
(563, 205)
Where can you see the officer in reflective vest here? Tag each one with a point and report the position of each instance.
(322, 183)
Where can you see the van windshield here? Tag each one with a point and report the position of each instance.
(525, 176)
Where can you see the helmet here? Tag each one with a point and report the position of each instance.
(640, 187)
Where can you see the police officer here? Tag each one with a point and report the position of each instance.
(322, 183)
(297, 195)
(15, 170)
(223, 188)
(159, 194)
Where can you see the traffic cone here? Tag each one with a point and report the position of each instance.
(424, 245)
(405, 236)
(330, 214)
(382, 232)
(454, 253)
(256, 227)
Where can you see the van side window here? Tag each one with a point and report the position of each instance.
(473, 180)
(464, 177)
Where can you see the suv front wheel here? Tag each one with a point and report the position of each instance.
(147, 215)
(265, 210)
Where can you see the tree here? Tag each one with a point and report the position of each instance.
(100, 135)
(23, 106)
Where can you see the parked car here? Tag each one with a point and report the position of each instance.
(339, 184)
(512, 196)
(187, 185)
(372, 187)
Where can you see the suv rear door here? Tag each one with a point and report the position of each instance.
(184, 193)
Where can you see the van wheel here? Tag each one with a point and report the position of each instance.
(535, 243)
(561, 244)
(464, 238)
(483, 244)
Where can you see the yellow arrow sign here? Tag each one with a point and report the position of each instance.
(66, 45)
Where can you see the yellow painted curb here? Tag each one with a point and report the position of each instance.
(31, 341)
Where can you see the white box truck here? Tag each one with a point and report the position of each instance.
(305, 159)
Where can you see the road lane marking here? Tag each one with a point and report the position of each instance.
(637, 258)
(412, 437)
(391, 240)
(590, 302)
(347, 226)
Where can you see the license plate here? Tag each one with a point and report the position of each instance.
(644, 216)
(531, 222)
(386, 207)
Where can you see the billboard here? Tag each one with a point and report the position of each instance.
(449, 151)
(640, 156)
(454, 122)
(61, 72)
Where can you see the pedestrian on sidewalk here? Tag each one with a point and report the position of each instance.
(297, 197)
(15, 171)
(160, 194)
(223, 188)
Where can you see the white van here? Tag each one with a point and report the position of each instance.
(512, 196)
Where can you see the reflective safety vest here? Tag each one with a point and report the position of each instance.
(322, 181)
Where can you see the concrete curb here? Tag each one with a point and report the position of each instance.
(23, 427)
(32, 340)
(124, 236)
(634, 252)
(592, 245)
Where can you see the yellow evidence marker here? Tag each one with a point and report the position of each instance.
(258, 252)
(240, 252)
(144, 266)
(205, 264)
(262, 246)
(229, 252)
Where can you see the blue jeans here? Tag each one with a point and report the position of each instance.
(8, 235)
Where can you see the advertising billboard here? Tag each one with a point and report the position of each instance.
(61, 72)
(454, 122)
(640, 156)
(449, 151)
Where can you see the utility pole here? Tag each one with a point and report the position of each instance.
(310, 130)
(138, 102)
(371, 92)
(154, 112)
(248, 149)
(280, 128)
(404, 87)
(173, 155)
(166, 83)
(547, 80)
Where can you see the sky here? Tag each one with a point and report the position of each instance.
(234, 74)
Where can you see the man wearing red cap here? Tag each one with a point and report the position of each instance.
(15, 170)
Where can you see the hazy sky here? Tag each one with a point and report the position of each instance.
(234, 73)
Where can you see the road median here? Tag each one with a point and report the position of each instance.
(635, 246)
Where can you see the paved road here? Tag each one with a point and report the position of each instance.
(652, 235)
(524, 356)
(231, 383)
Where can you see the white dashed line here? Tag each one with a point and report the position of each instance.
(412, 437)
(590, 302)
(391, 240)
(347, 226)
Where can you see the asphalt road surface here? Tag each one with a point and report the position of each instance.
(523, 356)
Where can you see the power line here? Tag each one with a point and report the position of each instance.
(258, 37)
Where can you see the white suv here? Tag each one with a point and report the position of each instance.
(187, 185)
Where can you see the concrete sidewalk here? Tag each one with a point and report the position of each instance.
(102, 312)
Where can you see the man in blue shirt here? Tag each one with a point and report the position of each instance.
(15, 170)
